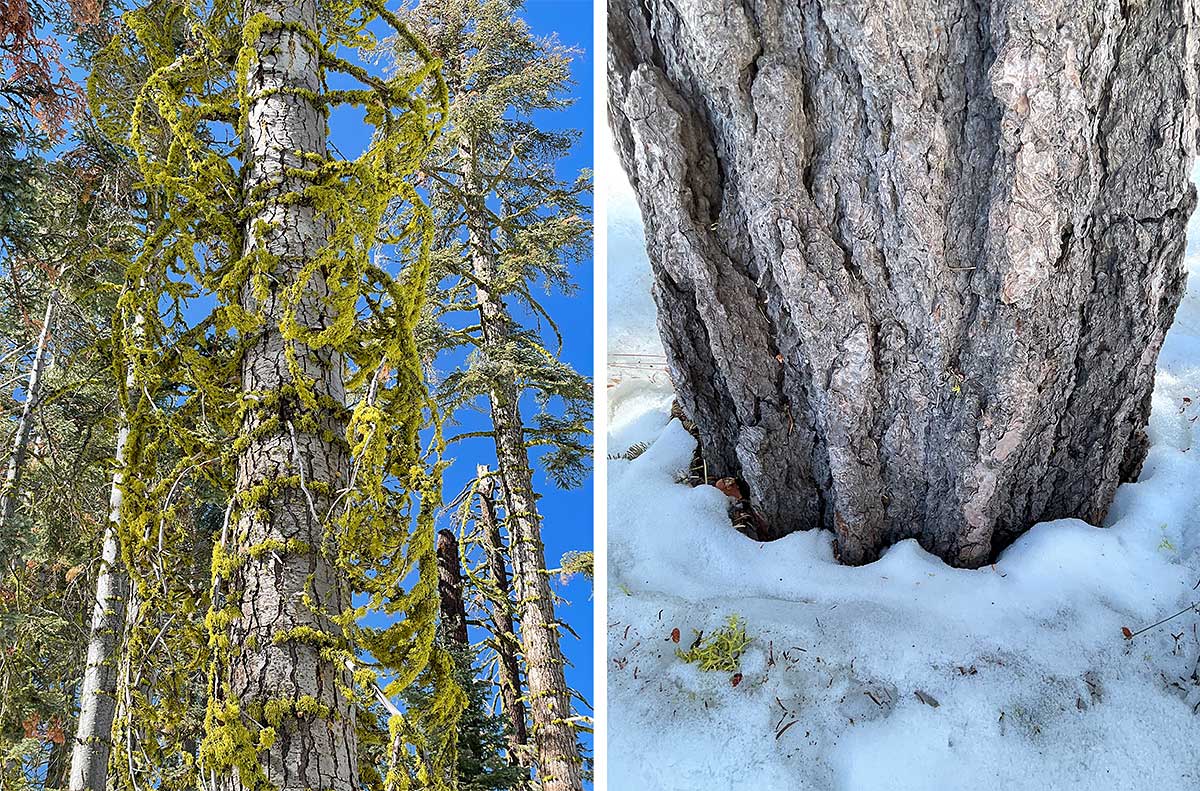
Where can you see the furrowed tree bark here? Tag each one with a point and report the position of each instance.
(11, 490)
(97, 695)
(287, 597)
(454, 614)
(914, 262)
(559, 764)
(506, 641)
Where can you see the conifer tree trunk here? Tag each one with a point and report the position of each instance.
(97, 695)
(506, 640)
(914, 262)
(558, 759)
(454, 614)
(11, 490)
(286, 590)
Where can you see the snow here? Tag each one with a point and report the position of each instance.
(631, 327)
(905, 674)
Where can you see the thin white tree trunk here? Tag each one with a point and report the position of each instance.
(97, 698)
(20, 447)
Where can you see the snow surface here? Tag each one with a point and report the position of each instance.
(1034, 684)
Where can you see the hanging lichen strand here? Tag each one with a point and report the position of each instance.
(165, 460)
(319, 449)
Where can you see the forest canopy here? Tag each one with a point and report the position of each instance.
(234, 359)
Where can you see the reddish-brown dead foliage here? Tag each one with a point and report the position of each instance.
(32, 75)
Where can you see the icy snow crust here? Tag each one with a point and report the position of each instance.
(1025, 678)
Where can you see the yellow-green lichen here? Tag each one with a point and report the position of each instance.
(721, 650)
(307, 635)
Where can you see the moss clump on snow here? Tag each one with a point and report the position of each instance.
(721, 650)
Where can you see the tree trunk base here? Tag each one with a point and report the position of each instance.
(913, 266)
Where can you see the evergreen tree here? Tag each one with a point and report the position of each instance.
(58, 211)
(225, 431)
(482, 735)
(515, 225)
(48, 542)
